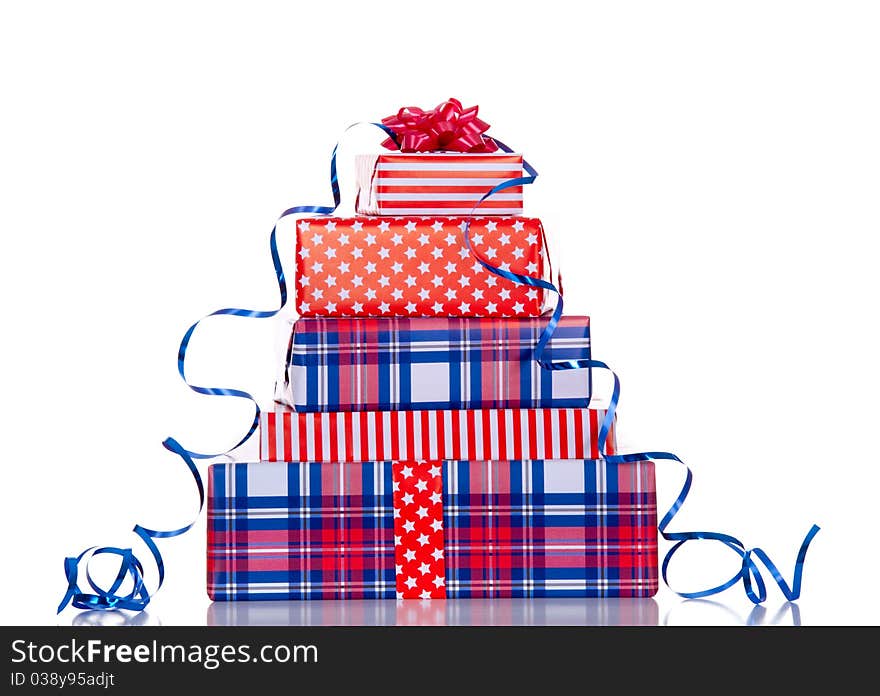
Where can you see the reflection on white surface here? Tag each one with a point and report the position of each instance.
(715, 613)
(114, 618)
(438, 612)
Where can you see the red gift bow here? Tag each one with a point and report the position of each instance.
(449, 127)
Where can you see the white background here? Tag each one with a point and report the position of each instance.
(709, 176)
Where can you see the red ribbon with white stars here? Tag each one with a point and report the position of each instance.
(419, 564)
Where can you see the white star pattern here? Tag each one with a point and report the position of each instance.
(375, 266)
(419, 560)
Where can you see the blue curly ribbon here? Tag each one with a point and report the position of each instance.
(137, 598)
(130, 566)
(256, 314)
(749, 573)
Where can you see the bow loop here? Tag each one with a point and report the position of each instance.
(447, 127)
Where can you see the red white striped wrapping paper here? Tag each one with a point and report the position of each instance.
(444, 183)
(478, 435)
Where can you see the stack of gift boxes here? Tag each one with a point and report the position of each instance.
(418, 449)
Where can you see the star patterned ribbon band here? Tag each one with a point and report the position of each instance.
(418, 530)
(449, 126)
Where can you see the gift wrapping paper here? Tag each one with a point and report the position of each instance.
(437, 183)
(399, 266)
(550, 433)
(399, 363)
(522, 528)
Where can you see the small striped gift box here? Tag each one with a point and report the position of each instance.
(524, 528)
(447, 183)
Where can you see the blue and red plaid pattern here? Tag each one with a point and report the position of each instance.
(401, 363)
(531, 528)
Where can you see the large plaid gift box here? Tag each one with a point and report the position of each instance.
(457, 529)
(492, 434)
(397, 363)
(398, 266)
(437, 183)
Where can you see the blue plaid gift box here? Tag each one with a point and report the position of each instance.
(528, 528)
(400, 364)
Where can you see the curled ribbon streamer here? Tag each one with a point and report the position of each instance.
(255, 314)
(130, 566)
(749, 573)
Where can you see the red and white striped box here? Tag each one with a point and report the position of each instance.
(444, 183)
(477, 434)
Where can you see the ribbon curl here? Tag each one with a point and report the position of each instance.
(130, 566)
(749, 573)
(447, 127)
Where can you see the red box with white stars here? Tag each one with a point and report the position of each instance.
(417, 267)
